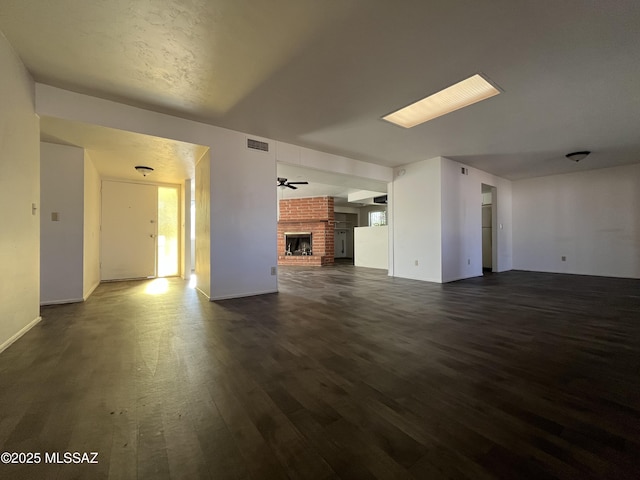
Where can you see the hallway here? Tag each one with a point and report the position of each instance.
(346, 373)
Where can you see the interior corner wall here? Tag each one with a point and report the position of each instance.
(203, 225)
(462, 220)
(61, 239)
(19, 189)
(91, 230)
(416, 228)
(589, 217)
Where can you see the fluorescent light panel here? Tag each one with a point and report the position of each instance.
(462, 94)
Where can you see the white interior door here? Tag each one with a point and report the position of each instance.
(129, 228)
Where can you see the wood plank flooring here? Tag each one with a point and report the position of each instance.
(346, 373)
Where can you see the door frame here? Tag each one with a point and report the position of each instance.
(494, 225)
(181, 224)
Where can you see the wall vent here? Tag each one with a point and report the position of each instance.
(257, 145)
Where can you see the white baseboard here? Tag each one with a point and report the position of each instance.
(206, 296)
(242, 295)
(463, 277)
(60, 302)
(20, 333)
(88, 294)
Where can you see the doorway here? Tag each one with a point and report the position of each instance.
(140, 231)
(343, 237)
(489, 233)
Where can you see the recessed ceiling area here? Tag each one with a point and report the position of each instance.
(115, 153)
(322, 74)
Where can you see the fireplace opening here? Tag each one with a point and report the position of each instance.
(297, 243)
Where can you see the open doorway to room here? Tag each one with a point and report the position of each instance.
(140, 230)
(90, 155)
(343, 217)
(489, 233)
(346, 221)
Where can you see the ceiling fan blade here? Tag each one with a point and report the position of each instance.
(298, 183)
(291, 186)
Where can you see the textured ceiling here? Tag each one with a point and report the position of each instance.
(322, 73)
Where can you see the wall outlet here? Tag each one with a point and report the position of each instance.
(55, 217)
(416, 263)
(273, 270)
(564, 259)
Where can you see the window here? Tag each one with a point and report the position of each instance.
(168, 231)
(377, 218)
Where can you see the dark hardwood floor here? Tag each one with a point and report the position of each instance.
(346, 373)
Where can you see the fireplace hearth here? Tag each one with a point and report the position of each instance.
(298, 243)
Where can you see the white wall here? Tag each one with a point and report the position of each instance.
(305, 157)
(462, 221)
(203, 225)
(372, 247)
(19, 188)
(61, 241)
(592, 218)
(70, 247)
(185, 230)
(91, 242)
(435, 216)
(415, 202)
(243, 238)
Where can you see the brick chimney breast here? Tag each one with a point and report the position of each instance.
(314, 215)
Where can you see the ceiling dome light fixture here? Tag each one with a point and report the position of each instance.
(144, 170)
(577, 156)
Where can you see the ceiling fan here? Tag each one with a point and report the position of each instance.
(282, 182)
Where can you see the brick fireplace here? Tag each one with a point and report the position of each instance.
(306, 231)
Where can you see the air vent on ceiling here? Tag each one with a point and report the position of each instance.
(257, 145)
(380, 199)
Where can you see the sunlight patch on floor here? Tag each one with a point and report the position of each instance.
(157, 286)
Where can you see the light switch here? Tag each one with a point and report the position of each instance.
(55, 217)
